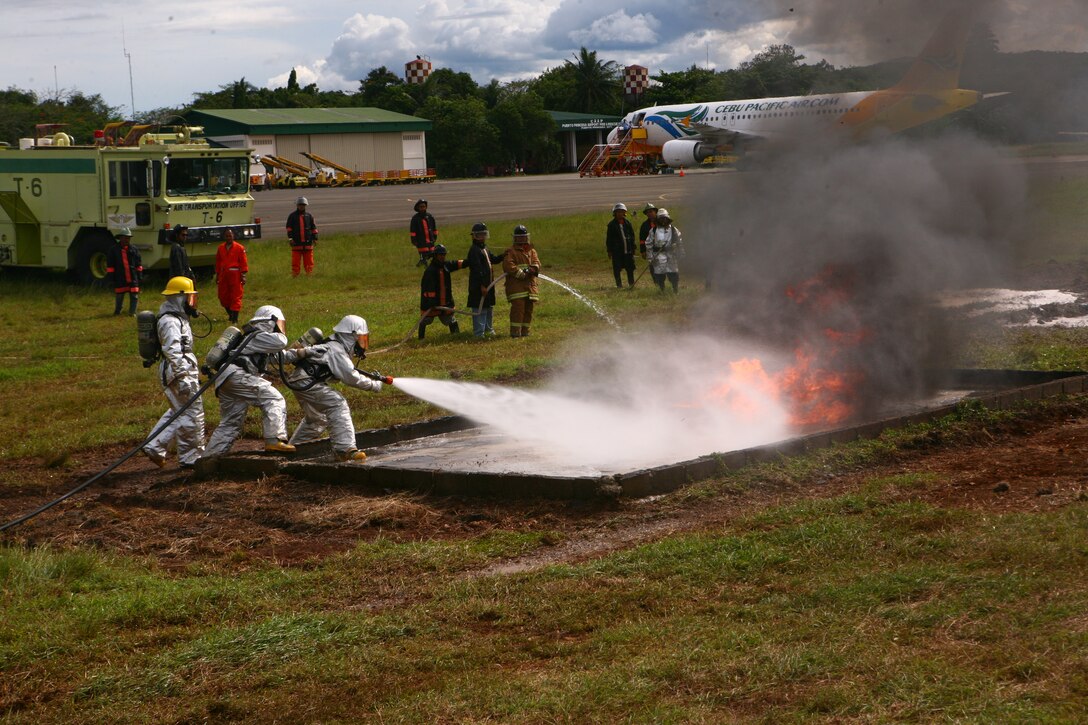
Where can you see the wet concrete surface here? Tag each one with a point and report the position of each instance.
(450, 457)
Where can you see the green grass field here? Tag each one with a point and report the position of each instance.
(871, 605)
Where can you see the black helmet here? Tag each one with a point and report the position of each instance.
(521, 231)
(479, 227)
(439, 249)
(421, 201)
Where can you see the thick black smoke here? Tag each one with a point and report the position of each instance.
(839, 248)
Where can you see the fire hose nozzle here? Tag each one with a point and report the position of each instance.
(375, 375)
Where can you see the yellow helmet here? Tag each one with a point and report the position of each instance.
(179, 286)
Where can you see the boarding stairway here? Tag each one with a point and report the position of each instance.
(628, 157)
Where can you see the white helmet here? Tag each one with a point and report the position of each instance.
(352, 325)
(302, 200)
(663, 213)
(123, 232)
(267, 312)
(619, 207)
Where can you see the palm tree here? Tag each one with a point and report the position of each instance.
(596, 82)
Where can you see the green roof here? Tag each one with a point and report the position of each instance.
(567, 121)
(296, 121)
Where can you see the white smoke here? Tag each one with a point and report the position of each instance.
(638, 401)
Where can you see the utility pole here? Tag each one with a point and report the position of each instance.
(131, 93)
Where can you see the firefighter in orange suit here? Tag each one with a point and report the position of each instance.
(302, 231)
(521, 265)
(124, 267)
(231, 267)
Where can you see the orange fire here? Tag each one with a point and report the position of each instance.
(818, 389)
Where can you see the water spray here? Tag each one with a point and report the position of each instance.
(588, 302)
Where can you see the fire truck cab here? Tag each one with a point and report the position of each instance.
(61, 202)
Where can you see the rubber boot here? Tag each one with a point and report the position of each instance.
(132, 301)
(279, 447)
(524, 330)
(352, 455)
(515, 331)
(422, 331)
(118, 300)
(454, 328)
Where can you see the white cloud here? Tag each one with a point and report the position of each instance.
(618, 29)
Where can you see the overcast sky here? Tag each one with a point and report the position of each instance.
(180, 48)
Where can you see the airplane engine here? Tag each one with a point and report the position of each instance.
(686, 153)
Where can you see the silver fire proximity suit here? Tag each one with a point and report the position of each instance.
(665, 247)
(240, 385)
(323, 407)
(179, 375)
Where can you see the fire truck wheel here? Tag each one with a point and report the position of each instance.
(90, 269)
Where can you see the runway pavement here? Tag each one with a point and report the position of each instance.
(363, 208)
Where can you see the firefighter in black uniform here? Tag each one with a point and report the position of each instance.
(179, 258)
(650, 211)
(436, 292)
(126, 269)
(424, 231)
(480, 277)
(619, 241)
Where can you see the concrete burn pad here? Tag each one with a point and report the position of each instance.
(449, 456)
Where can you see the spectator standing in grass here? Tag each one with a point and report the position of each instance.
(231, 268)
(619, 242)
(179, 258)
(126, 269)
(424, 232)
(302, 231)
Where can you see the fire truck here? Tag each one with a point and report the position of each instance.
(60, 203)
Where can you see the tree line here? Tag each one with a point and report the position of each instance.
(507, 125)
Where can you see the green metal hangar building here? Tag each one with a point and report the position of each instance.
(361, 139)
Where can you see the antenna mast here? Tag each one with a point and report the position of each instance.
(131, 93)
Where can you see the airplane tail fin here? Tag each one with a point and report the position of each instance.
(938, 66)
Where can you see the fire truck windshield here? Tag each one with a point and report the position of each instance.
(192, 177)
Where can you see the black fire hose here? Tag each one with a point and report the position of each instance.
(283, 377)
(151, 436)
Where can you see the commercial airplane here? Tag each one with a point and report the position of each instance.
(687, 134)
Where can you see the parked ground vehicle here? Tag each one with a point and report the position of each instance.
(60, 201)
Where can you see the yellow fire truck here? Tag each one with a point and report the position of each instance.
(60, 203)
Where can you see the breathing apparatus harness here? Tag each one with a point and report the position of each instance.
(147, 334)
(319, 372)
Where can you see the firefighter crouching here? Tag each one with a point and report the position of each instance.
(323, 407)
(521, 265)
(240, 385)
(179, 375)
(436, 292)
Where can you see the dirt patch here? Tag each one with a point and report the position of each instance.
(1034, 462)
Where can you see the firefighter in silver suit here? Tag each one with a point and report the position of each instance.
(325, 408)
(179, 375)
(240, 385)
